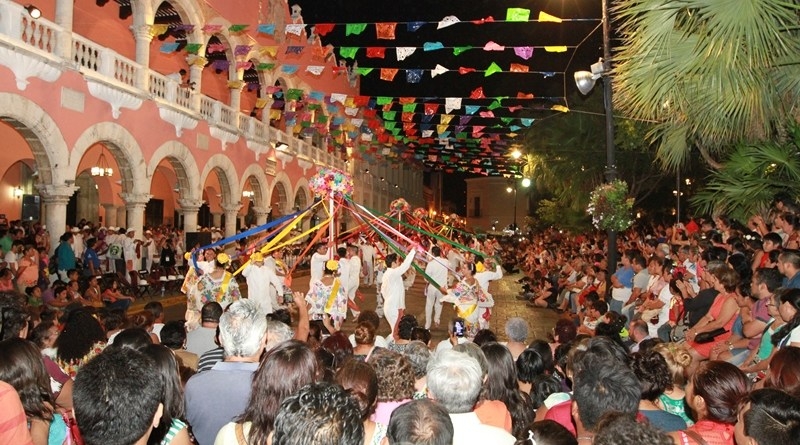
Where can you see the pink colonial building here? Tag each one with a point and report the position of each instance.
(195, 118)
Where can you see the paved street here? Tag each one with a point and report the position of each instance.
(506, 306)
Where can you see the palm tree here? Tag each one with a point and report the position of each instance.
(710, 73)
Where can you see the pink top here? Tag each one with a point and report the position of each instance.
(714, 433)
(383, 411)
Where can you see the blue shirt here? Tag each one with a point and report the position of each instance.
(216, 397)
(625, 276)
(66, 256)
(792, 283)
(90, 256)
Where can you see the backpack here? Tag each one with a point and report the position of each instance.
(115, 251)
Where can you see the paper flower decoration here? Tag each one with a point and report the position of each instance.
(329, 181)
(610, 206)
(399, 205)
(420, 212)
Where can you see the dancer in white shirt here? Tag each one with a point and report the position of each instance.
(260, 282)
(437, 271)
(318, 260)
(392, 288)
(355, 277)
(368, 258)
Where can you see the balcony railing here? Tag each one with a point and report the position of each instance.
(46, 39)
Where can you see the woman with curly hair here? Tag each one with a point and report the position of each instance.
(713, 393)
(501, 384)
(673, 400)
(653, 373)
(21, 366)
(80, 340)
(364, 336)
(395, 382)
(405, 327)
(360, 380)
(282, 372)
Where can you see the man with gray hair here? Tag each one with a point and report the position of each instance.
(215, 397)
(454, 380)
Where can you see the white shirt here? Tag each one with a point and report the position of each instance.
(468, 430)
(355, 270)
(344, 273)
(318, 266)
(437, 270)
(367, 252)
(260, 283)
(486, 276)
(392, 288)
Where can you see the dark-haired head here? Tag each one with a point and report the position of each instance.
(484, 336)
(297, 366)
(360, 380)
(714, 391)
(21, 366)
(406, 325)
(653, 373)
(784, 371)
(132, 338)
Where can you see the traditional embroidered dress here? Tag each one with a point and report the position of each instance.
(468, 299)
(324, 299)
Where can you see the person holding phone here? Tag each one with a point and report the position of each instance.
(469, 298)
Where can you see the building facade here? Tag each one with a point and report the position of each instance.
(192, 116)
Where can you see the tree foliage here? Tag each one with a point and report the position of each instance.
(711, 73)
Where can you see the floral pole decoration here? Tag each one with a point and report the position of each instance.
(610, 206)
(420, 213)
(330, 181)
(399, 206)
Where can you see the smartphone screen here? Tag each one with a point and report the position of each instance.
(459, 328)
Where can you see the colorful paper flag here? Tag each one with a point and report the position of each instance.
(545, 17)
(388, 74)
(322, 29)
(452, 103)
(354, 28)
(518, 14)
(385, 31)
(267, 28)
(555, 49)
(376, 52)
(296, 29)
(348, 52)
(450, 20)
(492, 46)
(524, 52)
(404, 51)
(438, 70)
(432, 46)
(493, 68)
(414, 75)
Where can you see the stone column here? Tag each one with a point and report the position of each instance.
(111, 215)
(236, 92)
(262, 213)
(122, 216)
(196, 76)
(216, 219)
(189, 209)
(55, 198)
(231, 214)
(64, 17)
(143, 35)
(134, 205)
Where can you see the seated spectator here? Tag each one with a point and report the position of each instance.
(620, 429)
(203, 338)
(132, 338)
(600, 388)
(80, 340)
(339, 348)
(484, 336)
(215, 397)
(172, 430)
(768, 416)
(517, 332)
(115, 299)
(713, 394)
(157, 309)
(118, 385)
(297, 366)
(364, 335)
(720, 316)
(653, 373)
(173, 335)
(320, 413)
(418, 355)
(145, 320)
(502, 385)
(405, 327)
(21, 366)
(454, 381)
(360, 380)
(395, 382)
(548, 432)
(371, 317)
(673, 400)
(529, 366)
(789, 334)
(421, 422)
(784, 371)
(13, 417)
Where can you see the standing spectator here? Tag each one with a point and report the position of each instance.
(317, 409)
(454, 380)
(217, 396)
(118, 398)
(789, 266)
(203, 338)
(65, 257)
(91, 260)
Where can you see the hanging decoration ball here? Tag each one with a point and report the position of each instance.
(329, 181)
(420, 212)
(610, 206)
(399, 205)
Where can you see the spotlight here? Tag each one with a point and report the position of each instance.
(585, 80)
(33, 11)
(281, 146)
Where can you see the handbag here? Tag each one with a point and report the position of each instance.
(708, 337)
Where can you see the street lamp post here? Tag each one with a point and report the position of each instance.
(509, 189)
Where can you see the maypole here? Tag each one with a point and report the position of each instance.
(332, 225)
(335, 185)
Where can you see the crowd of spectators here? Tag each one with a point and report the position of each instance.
(693, 338)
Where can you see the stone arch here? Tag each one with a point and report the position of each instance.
(184, 165)
(282, 186)
(302, 187)
(121, 143)
(189, 13)
(50, 152)
(228, 179)
(255, 176)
